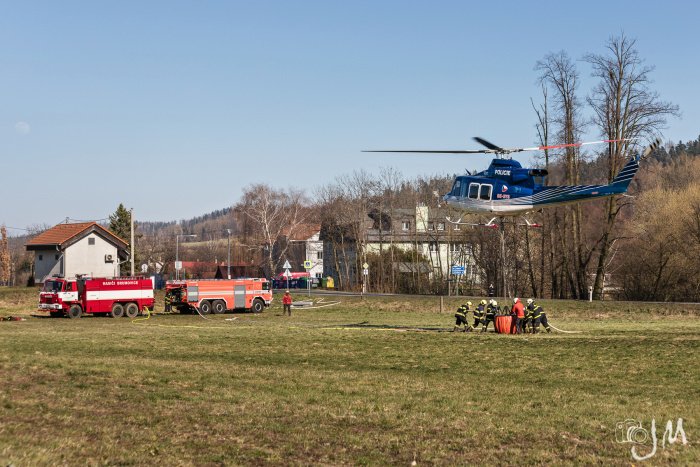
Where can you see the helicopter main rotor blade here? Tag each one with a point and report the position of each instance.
(480, 151)
(493, 149)
(574, 145)
(488, 144)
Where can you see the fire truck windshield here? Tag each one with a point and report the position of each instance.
(53, 286)
(266, 285)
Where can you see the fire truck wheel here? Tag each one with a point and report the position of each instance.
(218, 307)
(132, 310)
(257, 306)
(75, 311)
(117, 311)
(205, 307)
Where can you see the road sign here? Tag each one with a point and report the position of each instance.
(307, 264)
(287, 274)
(178, 265)
(287, 265)
(365, 266)
(457, 270)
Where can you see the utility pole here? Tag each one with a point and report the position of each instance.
(133, 247)
(228, 263)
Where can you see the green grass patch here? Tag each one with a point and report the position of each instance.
(268, 389)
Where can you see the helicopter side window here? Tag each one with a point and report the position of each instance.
(485, 192)
(457, 188)
(474, 190)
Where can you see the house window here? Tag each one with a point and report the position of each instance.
(41, 257)
(431, 225)
(319, 255)
(441, 226)
(406, 225)
(432, 246)
(91, 241)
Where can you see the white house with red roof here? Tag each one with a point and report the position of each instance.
(79, 248)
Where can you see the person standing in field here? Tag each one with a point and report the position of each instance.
(168, 302)
(287, 303)
(518, 312)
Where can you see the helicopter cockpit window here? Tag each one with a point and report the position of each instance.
(485, 192)
(474, 191)
(456, 188)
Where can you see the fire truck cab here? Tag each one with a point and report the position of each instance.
(219, 295)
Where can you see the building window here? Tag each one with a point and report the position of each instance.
(431, 225)
(319, 275)
(432, 246)
(319, 255)
(406, 225)
(41, 257)
(441, 226)
(91, 241)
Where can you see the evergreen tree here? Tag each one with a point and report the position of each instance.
(120, 225)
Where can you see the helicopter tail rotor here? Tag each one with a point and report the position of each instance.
(652, 147)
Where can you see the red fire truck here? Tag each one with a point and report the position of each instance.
(219, 295)
(118, 296)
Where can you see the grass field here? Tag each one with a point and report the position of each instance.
(268, 389)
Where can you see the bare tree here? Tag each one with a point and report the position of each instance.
(272, 212)
(559, 72)
(624, 108)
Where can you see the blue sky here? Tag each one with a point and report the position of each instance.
(173, 107)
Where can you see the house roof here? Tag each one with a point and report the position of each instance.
(63, 234)
(302, 232)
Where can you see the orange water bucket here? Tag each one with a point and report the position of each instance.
(504, 324)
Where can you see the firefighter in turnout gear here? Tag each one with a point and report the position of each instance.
(479, 313)
(491, 310)
(168, 300)
(461, 318)
(527, 319)
(537, 316)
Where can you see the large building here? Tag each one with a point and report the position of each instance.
(428, 247)
(69, 250)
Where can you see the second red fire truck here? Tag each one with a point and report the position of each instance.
(219, 295)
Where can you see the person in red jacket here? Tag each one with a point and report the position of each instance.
(518, 312)
(287, 302)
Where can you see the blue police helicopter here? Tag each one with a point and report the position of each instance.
(508, 189)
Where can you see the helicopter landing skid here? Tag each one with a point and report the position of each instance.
(490, 223)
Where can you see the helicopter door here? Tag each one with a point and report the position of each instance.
(474, 190)
(485, 192)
